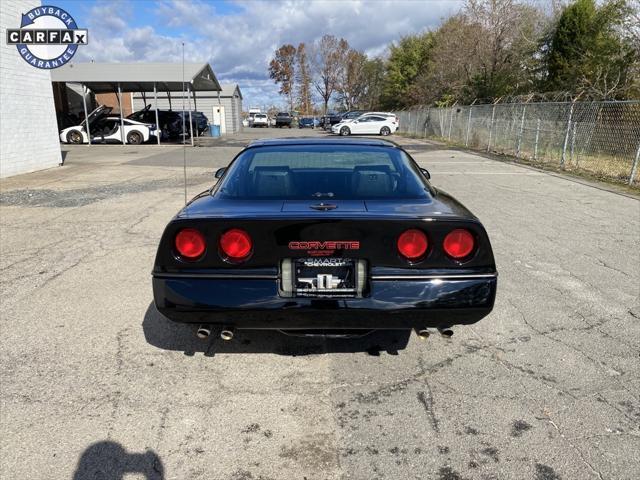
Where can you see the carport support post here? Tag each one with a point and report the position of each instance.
(190, 122)
(566, 136)
(493, 114)
(155, 106)
(466, 142)
(535, 147)
(524, 109)
(195, 109)
(86, 118)
(121, 116)
(634, 169)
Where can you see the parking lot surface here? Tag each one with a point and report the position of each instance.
(95, 384)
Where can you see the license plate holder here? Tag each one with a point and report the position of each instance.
(325, 277)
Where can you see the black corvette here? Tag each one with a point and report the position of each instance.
(304, 234)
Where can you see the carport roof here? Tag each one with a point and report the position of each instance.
(137, 77)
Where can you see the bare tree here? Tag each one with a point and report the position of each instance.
(282, 70)
(326, 61)
(454, 60)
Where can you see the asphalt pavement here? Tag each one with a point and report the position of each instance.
(95, 384)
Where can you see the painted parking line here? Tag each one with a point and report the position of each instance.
(465, 162)
(488, 173)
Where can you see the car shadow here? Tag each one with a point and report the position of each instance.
(167, 335)
(109, 460)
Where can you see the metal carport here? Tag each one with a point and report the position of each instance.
(140, 77)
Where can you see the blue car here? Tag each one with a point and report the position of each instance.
(306, 122)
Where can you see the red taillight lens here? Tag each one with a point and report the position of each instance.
(459, 243)
(190, 243)
(412, 244)
(236, 244)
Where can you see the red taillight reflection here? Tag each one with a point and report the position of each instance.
(236, 244)
(190, 243)
(459, 243)
(412, 244)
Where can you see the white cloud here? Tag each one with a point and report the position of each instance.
(239, 45)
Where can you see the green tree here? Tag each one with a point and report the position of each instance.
(407, 59)
(587, 50)
(374, 70)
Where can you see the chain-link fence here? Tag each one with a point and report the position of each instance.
(601, 138)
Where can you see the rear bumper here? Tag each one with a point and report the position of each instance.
(390, 303)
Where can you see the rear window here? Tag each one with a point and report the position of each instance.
(322, 171)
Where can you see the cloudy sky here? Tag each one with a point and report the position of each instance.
(238, 38)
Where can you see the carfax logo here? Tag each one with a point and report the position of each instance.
(48, 37)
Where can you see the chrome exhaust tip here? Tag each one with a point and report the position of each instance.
(445, 331)
(226, 333)
(422, 333)
(203, 332)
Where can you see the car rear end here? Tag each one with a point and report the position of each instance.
(260, 120)
(362, 263)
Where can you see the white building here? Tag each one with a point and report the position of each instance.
(28, 126)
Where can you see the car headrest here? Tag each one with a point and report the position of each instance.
(271, 181)
(373, 181)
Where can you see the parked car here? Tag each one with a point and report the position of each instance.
(283, 119)
(384, 114)
(306, 122)
(107, 129)
(260, 120)
(366, 125)
(324, 234)
(199, 120)
(331, 119)
(352, 114)
(351, 117)
(170, 121)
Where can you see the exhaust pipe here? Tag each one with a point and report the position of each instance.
(422, 333)
(446, 331)
(204, 331)
(226, 333)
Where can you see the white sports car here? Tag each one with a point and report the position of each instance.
(106, 129)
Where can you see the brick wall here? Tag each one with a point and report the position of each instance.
(111, 100)
(28, 126)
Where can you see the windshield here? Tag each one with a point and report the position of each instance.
(299, 172)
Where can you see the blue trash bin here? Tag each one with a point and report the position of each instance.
(214, 130)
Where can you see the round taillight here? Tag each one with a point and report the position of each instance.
(412, 244)
(190, 243)
(459, 243)
(235, 244)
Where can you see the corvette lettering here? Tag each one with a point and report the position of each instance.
(327, 245)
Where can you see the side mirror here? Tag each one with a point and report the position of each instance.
(426, 173)
(220, 172)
